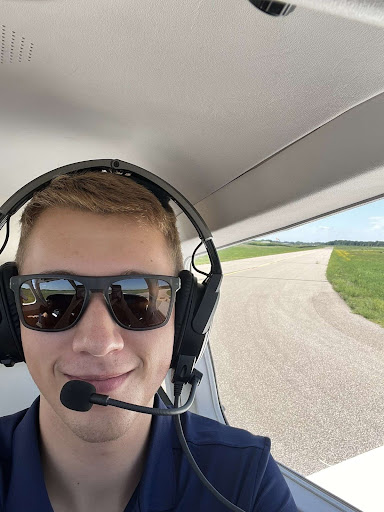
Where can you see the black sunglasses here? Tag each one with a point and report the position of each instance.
(53, 303)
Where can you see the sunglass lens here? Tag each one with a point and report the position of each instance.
(140, 303)
(51, 303)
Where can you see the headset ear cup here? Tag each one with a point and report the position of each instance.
(187, 341)
(11, 350)
(182, 310)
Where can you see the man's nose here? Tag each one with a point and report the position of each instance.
(97, 332)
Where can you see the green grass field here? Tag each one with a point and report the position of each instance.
(242, 251)
(357, 274)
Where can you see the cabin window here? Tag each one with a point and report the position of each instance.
(296, 360)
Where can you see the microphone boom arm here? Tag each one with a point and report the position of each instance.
(99, 399)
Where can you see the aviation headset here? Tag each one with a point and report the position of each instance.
(195, 302)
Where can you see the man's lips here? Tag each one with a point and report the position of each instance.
(103, 383)
(94, 376)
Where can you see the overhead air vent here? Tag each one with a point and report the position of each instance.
(15, 49)
(273, 8)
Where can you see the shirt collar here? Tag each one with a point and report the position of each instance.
(27, 491)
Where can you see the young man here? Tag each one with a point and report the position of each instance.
(109, 459)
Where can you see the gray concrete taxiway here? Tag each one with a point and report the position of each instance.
(295, 364)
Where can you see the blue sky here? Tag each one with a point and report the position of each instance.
(362, 223)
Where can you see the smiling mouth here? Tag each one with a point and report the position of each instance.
(103, 383)
(94, 377)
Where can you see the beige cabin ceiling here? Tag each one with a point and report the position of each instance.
(204, 94)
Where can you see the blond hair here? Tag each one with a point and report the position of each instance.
(102, 193)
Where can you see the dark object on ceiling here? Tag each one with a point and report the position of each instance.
(273, 8)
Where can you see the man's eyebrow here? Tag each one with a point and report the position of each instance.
(56, 272)
(68, 273)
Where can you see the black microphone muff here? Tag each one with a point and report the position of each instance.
(76, 395)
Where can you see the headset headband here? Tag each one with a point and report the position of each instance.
(15, 202)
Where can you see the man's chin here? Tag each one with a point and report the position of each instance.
(100, 425)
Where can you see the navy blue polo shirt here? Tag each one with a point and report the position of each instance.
(236, 462)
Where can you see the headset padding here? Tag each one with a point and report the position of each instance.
(189, 297)
(10, 341)
(183, 308)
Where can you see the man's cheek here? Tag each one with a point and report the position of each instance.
(29, 346)
(37, 354)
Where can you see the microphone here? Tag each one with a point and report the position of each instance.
(80, 395)
(76, 394)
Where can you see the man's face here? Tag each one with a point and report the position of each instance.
(84, 243)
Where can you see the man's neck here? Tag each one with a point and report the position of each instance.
(98, 476)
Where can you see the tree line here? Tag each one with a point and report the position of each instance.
(355, 242)
(376, 243)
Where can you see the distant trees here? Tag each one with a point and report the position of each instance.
(354, 242)
(377, 243)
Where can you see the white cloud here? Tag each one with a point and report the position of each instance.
(376, 223)
(323, 228)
